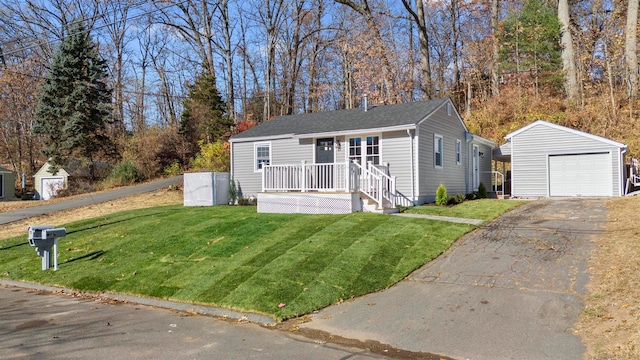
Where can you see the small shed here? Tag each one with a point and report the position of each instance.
(552, 160)
(47, 184)
(7, 184)
(206, 188)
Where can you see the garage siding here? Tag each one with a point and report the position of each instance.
(531, 149)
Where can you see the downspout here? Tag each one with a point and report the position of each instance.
(413, 177)
(468, 138)
(623, 182)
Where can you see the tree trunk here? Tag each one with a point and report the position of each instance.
(423, 39)
(630, 50)
(568, 58)
(495, 82)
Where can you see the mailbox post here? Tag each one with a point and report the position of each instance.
(45, 239)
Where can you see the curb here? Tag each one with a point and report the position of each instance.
(165, 304)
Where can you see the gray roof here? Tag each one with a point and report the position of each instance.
(377, 117)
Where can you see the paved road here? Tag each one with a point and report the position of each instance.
(45, 208)
(510, 290)
(37, 325)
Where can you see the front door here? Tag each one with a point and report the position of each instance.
(324, 155)
(324, 151)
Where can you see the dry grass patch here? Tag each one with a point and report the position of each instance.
(141, 201)
(610, 324)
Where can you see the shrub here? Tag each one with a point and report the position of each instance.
(212, 157)
(457, 199)
(174, 169)
(482, 191)
(247, 201)
(471, 196)
(441, 195)
(125, 173)
(233, 192)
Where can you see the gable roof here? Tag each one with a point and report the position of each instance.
(385, 117)
(5, 170)
(564, 128)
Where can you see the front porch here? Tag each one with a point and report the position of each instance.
(327, 188)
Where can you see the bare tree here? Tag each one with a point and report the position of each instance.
(568, 56)
(631, 45)
(426, 84)
(495, 10)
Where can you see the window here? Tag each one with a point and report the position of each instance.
(355, 150)
(262, 155)
(373, 150)
(458, 152)
(365, 149)
(437, 151)
(448, 109)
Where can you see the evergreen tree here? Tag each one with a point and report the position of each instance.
(530, 43)
(74, 104)
(203, 118)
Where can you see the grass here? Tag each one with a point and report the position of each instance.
(483, 209)
(236, 258)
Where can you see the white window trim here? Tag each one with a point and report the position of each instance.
(435, 149)
(255, 155)
(449, 109)
(458, 152)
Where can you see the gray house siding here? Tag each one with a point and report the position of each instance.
(529, 155)
(452, 175)
(283, 152)
(396, 151)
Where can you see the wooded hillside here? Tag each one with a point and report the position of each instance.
(184, 75)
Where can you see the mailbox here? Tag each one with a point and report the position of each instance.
(45, 239)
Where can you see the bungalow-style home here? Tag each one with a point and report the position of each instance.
(47, 184)
(365, 159)
(7, 184)
(552, 160)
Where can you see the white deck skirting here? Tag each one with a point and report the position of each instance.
(309, 202)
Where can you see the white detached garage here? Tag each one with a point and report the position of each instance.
(553, 160)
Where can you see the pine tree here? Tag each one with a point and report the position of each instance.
(204, 118)
(74, 104)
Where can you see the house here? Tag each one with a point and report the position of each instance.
(7, 184)
(552, 160)
(47, 184)
(370, 158)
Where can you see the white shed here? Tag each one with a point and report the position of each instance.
(47, 184)
(7, 184)
(552, 160)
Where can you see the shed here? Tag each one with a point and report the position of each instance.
(47, 184)
(552, 160)
(7, 184)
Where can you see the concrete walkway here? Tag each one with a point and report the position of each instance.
(509, 290)
(90, 199)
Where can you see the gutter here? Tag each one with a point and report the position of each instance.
(413, 178)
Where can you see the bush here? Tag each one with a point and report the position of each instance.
(247, 201)
(233, 192)
(174, 169)
(125, 173)
(471, 196)
(441, 195)
(457, 199)
(482, 191)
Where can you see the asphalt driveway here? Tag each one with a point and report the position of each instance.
(510, 290)
(89, 199)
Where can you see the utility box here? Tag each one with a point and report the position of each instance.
(45, 239)
(206, 188)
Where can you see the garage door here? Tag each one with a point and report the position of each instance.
(580, 175)
(50, 187)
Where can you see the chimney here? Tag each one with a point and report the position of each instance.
(366, 104)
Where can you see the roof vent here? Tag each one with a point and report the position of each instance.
(366, 103)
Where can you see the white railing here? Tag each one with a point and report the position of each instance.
(305, 177)
(369, 180)
(497, 182)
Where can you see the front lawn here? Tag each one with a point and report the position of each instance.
(483, 209)
(234, 257)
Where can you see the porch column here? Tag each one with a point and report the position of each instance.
(303, 177)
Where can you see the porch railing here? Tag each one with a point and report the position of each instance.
(369, 180)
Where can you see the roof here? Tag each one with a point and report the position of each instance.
(5, 170)
(569, 130)
(385, 117)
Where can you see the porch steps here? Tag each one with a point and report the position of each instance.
(369, 205)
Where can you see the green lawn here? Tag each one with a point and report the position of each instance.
(483, 209)
(236, 258)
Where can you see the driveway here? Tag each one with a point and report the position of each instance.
(89, 199)
(509, 290)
